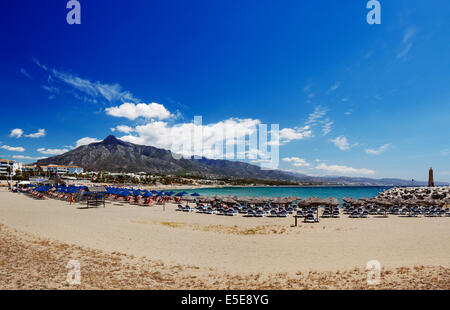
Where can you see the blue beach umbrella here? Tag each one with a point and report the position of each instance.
(180, 194)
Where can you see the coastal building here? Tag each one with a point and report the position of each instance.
(430, 178)
(13, 165)
(55, 169)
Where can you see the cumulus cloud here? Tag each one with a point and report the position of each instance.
(13, 149)
(377, 151)
(342, 143)
(344, 170)
(86, 141)
(210, 140)
(27, 157)
(296, 133)
(134, 111)
(39, 134)
(296, 161)
(16, 133)
(52, 151)
(122, 128)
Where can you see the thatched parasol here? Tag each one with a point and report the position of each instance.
(311, 201)
(349, 200)
(331, 201)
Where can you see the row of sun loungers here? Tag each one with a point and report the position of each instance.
(364, 212)
(257, 212)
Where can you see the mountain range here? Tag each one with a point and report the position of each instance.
(115, 155)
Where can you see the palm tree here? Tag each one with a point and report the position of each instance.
(41, 171)
(8, 169)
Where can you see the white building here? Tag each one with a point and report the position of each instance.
(59, 169)
(5, 163)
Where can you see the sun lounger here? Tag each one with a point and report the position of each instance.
(336, 214)
(310, 218)
(283, 213)
(354, 214)
(273, 213)
(260, 213)
(326, 214)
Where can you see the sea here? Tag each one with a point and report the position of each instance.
(338, 192)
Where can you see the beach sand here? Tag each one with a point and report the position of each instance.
(126, 246)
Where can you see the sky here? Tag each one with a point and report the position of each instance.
(350, 98)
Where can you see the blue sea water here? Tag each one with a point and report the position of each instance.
(285, 191)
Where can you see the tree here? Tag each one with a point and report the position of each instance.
(41, 171)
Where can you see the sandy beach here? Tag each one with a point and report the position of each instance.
(237, 252)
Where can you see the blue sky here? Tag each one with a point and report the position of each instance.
(350, 98)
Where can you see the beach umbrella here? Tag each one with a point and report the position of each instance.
(349, 200)
(195, 194)
(332, 201)
(312, 201)
(229, 200)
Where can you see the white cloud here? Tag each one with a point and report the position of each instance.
(39, 134)
(296, 133)
(296, 161)
(52, 151)
(318, 118)
(27, 157)
(13, 149)
(307, 88)
(16, 133)
(409, 34)
(108, 92)
(445, 152)
(344, 170)
(317, 115)
(404, 51)
(25, 73)
(334, 87)
(86, 141)
(134, 111)
(342, 143)
(51, 89)
(326, 127)
(123, 128)
(183, 138)
(377, 151)
(406, 42)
